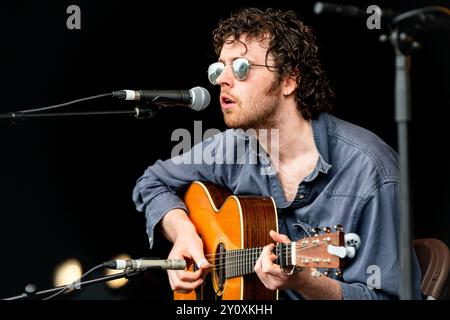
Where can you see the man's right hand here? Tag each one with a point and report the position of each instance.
(186, 245)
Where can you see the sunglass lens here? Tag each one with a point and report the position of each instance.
(214, 71)
(241, 67)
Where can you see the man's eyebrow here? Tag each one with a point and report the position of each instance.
(234, 58)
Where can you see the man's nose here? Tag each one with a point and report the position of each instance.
(226, 77)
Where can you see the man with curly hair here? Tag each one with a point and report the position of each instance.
(322, 170)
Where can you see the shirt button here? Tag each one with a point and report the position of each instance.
(301, 196)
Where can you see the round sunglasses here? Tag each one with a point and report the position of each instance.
(240, 67)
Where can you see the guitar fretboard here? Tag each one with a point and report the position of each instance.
(242, 261)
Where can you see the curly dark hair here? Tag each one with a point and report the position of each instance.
(294, 48)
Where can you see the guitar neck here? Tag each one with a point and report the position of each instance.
(319, 251)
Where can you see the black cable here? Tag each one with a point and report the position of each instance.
(417, 12)
(73, 284)
(56, 106)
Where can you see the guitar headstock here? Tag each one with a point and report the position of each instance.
(323, 250)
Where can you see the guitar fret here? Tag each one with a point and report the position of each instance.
(239, 266)
(229, 263)
(236, 264)
(241, 269)
(244, 262)
(232, 265)
(245, 265)
(236, 269)
(249, 261)
(286, 256)
(239, 262)
(233, 274)
(253, 262)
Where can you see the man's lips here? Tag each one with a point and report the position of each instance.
(227, 101)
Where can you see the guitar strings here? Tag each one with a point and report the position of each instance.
(242, 259)
(245, 261)
(260, 248)
(242, 264)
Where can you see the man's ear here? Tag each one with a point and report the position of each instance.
(290, 83)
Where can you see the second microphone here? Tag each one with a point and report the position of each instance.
(146, 263)
(197, 98)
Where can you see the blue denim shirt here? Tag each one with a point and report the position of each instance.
(355, 184)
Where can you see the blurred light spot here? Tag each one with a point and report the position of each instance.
(67, 272)
(117, 283)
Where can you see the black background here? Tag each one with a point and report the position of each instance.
(65, 184)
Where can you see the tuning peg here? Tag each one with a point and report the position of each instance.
(327, 229)
(316, 231)
(338, 273)
(339, 227)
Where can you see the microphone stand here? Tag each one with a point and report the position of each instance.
(30, 293)
(402, 28)
(139, 112)
(401, 36)
(403, 119)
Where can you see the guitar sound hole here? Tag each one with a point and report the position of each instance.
(220, 267)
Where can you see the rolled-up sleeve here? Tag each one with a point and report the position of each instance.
(155, 191)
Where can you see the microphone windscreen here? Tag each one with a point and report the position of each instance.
(200, 98)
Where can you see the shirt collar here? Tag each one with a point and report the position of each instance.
(320, 133)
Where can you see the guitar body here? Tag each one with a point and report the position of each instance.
(227, 222)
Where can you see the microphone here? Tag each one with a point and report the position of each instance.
(350, 11)
(145, 263)
(421, 16)
(197, 98)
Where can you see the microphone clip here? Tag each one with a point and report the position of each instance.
(149, 110)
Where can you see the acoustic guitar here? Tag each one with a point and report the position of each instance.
(234, 230)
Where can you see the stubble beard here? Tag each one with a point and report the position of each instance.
(261, 113)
